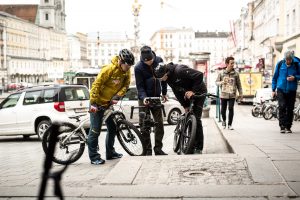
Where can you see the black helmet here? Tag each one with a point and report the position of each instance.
(126, 56)
(160, 70)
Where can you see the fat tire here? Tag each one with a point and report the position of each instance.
(177, 137)
(189, 135)
(255, 111)
(131, 130)
(66, 128)
(268, 113)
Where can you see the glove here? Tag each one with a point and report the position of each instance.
(93, 108)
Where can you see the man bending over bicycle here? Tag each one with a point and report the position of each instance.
(112, 81)
(185, 82)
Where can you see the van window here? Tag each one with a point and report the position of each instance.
(50, 95)
(75, 94)
(10, 101)
(32, 97)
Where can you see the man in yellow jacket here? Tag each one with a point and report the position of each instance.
(112, 82)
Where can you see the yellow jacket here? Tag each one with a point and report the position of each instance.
(111, 81)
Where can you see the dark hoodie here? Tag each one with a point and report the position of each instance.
(182, 78)
(146, 82)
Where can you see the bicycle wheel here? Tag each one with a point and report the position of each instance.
(66, 151)
(255, 111)
(130, 138)
(268, 113)
(189, 135)
(177, 136)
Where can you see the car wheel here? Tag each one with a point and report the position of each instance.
(173, 116)
(42, 127)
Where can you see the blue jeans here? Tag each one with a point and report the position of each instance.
(95, 129)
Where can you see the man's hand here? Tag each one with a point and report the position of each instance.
(274, 94)
(146, 102)
(189, 94)
(164, 98)
(187, 109)
(290, 78)
(164, 78)
(240, 97)
(93, 109)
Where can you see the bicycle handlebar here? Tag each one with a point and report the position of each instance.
(205, 94)
(134, 107)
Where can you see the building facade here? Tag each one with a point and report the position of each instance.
(30, 53)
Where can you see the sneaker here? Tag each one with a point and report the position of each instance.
(114, 156)
(160, 153)
(197, 151)
(288, 130)
(282, 130)
(98, 162)
(224, 124)
(230, 127)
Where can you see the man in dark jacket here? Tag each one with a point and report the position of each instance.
(284, 86)
(185, 82)
(150, 86)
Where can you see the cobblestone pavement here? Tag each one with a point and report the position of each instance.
(194, 171)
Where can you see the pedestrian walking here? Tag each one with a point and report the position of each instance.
(150, 86)
(185, 82)
(229, 82)
(284, 86)
(111, 83)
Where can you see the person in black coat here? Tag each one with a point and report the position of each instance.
(148, 85)
(185, 82)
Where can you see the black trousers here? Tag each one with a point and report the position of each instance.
(230, 103)
(159, 130)
(286, 102)
(198, 108)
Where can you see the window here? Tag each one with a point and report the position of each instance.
(50, 96)
(46, 1)
(47, 16)
(33, 97)
(10, 101)
(75, 94)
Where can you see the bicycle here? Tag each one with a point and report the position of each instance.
(259, 109)
(272, 110)
(297, 113)
(71, 139)
(185, 131)
(148, 123)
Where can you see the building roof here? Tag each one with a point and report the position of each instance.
(215, 34)
(24, 11)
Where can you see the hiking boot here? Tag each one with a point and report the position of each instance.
(160, 153)
(98, 162)
(230, 127)
(282, 130)
(288, 130)
(224, 125)
(114, 156)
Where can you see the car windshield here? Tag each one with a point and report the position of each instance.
(10, 101)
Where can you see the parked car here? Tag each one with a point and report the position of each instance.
(172, 107)
(31, 111)
(262, 94)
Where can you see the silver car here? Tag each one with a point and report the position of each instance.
(172, 107)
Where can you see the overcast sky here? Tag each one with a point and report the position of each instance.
(116, 15)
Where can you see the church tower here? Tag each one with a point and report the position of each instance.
(52, 14)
